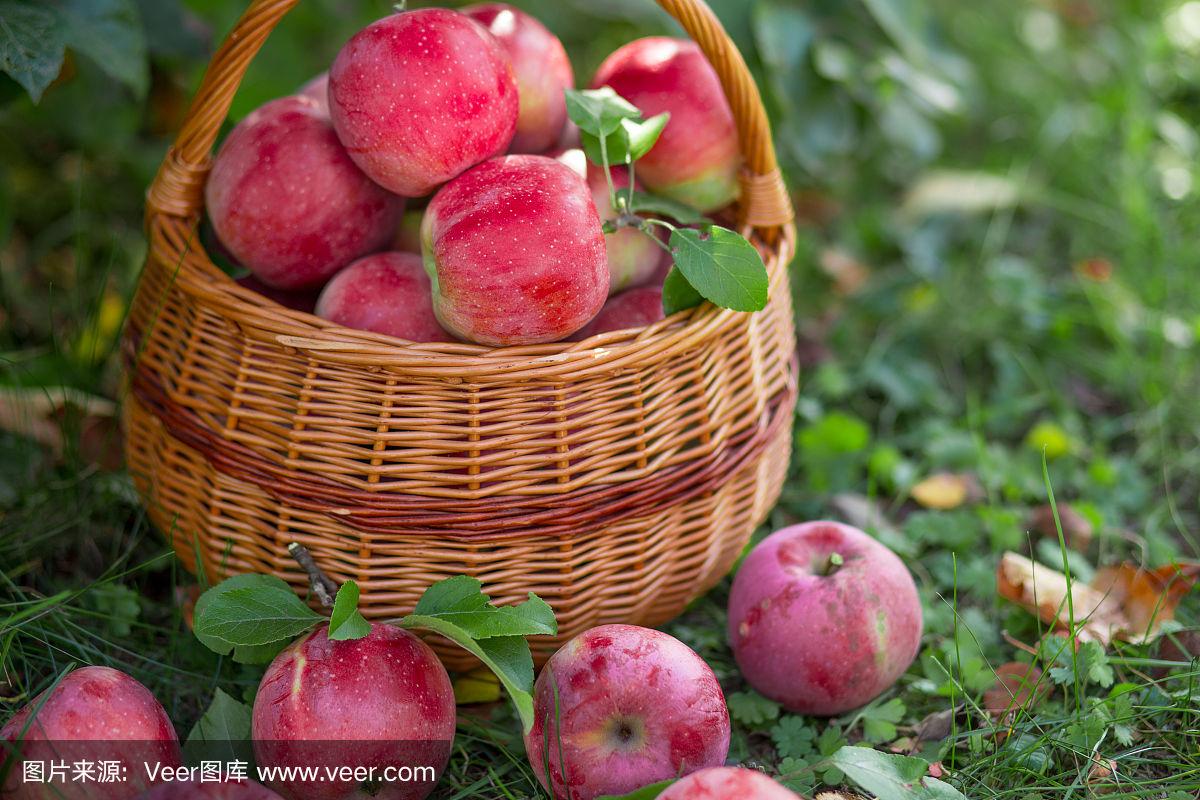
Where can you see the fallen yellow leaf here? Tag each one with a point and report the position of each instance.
(942, 491)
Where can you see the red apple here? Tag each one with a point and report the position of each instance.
(317, 90)
(727, 783)
(385, 293)
(420, 96)
(696, 159)
(305, 300)
(633, 257)
(93, 714)
(542, 71)
(619, 707)
(636, 308)
(289, 204)
(210, 790)
(823, 618)
(381, 701)
(516, 252)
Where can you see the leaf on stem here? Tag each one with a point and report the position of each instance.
(646, 203)
(629, 142)
(722, 266)
(458, 609)
(346, 622)
(599, 111)
(678, 294)
(251, 615)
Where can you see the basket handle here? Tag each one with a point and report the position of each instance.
(178, 187)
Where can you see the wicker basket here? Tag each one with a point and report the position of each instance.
(618, 477)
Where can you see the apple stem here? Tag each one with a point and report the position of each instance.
(832, 563)
(322, 586)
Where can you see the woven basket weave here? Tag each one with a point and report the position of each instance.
(618, 477)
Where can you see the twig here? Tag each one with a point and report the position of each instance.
(324, 588)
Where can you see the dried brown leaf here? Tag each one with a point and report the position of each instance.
(1076, 528)
(1123, 602)
(1017, 686)
(1148, 597)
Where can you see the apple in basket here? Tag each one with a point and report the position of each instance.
(696, 159)
(635, 308)
(385, 293)
(93, 714)
(379, 701)
(420, 96)
(621, 706)
(727, 783)
(542, 71)
(823, 618)
(288, 203)
(515, 250)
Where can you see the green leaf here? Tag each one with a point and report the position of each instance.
(248, 613)
(751, 708)
(678, 294)
(226, 720)
(599, 111)
(1090, 658)
(507, 656)
(793, 737)
(722, 266)
(110, 33)
(892, 777)
(796, 774)
(629, 142)
(259, 653)
(879, 722)
(346, 622)
(460, 600)
(32, 45)
(223, 733)
(458, 609)
(645, 793)
(646, 203)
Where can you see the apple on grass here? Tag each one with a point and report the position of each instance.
(379, 701)
(727, 783)
(515, 250)
(420, 96)
(695, 160)
(542, 71)
(288, 203)
(619, 707)
(385, 293)
(93, 714)
(823, 618)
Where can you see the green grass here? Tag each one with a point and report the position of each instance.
(976, 344)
